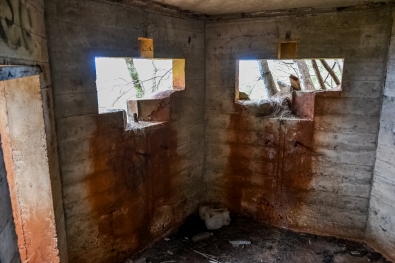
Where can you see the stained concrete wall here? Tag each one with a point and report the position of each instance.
(8, 240)
(27, 168)
(123, 189)
(310, 176)
(23, 42)
(380, 231)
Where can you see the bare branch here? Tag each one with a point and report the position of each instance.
(305, 78)
(170, 70)
(318, 74)
(338, 65)
(154, 86)
(267, 78)
(330, 71)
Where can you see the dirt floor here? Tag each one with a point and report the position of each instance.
(268, 244)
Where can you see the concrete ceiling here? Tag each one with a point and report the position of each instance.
(219, 7)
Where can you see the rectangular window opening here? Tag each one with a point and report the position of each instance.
(273, 81)
(135, 85)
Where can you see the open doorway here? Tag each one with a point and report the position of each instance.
(24, 145)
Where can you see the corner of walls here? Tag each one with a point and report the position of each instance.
(205, 196)
(380, 230)
(331, 193)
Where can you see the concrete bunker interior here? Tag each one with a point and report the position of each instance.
(114, 191)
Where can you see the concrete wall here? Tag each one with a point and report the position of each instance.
(380, 231)
(25, 156)
(123, 189)
(8, 240)
(23, 42)
(310, 176)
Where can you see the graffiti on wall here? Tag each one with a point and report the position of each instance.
(15, 23)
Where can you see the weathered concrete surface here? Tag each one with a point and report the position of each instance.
(380, 232)
(123, 189)
(315, 175)
(14, 72)
(217, 7)
(303, 104)
(23, 42)
(156, 108)
(26, 161)
(22, 32)
(8, 240)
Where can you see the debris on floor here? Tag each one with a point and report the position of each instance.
(210, 257)
(266, 244)
(140, 260)
(215, 215)
(202, 236)
(237, 243)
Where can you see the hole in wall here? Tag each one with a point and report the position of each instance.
(287, 50)
(139, 87)
(269, 84)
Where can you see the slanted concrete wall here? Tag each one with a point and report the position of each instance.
(23, 42)
(310, 176)
(26, 162)
(380, 231)
(8, 240)
(123, 189)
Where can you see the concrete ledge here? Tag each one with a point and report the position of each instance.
(158, 107)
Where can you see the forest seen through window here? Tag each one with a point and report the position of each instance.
(263, 79)
(121, 79)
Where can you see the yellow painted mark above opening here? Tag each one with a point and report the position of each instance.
(146, 47)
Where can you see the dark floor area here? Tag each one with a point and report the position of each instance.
(268, 244)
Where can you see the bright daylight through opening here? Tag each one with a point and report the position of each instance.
(264, 79)
(119, 80)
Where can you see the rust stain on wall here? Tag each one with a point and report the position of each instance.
(132, 187)
(238, 170)
(297, 173)
(268, 177)
(27, 175)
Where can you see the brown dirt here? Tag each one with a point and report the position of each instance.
(268, 244)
